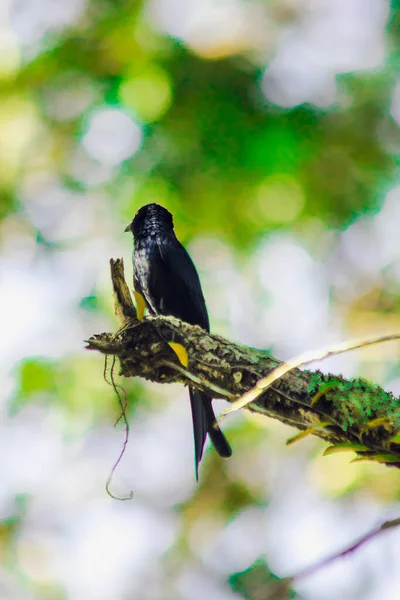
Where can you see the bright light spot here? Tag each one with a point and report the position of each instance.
(112, 137)
(32, 20)
(9, 55)
(59, 213)
(395, 109)
(333, 475)
(212, 28)
(148, 94)
(280, 198)
(18, 125)
(109, 539)
(386, 225)
(240, 543)
(330, 38)
(84, 168)
(68, 95)
(289, 85)
(293, 280)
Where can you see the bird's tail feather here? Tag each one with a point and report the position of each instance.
(203, 423)
(218, 439)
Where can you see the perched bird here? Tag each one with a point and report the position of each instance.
(164, 274)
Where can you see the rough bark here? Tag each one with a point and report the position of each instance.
(343, 412)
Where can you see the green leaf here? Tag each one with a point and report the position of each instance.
(344, 448)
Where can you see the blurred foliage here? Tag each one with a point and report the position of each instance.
(215, 150)
(76, 386)
(226, 161)
(258, 583)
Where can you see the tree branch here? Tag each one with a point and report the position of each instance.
(349, 414)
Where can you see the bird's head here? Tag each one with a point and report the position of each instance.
(151, 217)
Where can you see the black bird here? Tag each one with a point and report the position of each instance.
(164, 274)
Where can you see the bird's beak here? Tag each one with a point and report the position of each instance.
(128, 228)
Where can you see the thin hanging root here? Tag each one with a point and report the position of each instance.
(122, 403)
(115, 385)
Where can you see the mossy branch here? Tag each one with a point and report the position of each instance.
(348, 414)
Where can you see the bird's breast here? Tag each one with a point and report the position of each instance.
(142, 271)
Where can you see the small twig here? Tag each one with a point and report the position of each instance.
(199, 380)
(360, 542)
(300, 361)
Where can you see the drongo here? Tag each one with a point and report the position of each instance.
(164, 274)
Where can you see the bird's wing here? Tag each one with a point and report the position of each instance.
(178, 285)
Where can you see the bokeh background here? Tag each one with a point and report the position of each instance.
(271, 130)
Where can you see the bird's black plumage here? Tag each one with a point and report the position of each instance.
(165, 275)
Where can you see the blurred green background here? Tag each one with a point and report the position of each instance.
(271, 130)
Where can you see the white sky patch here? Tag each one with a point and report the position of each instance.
(112, 137)
(296, 306)
(32, 20)
(331, 37)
